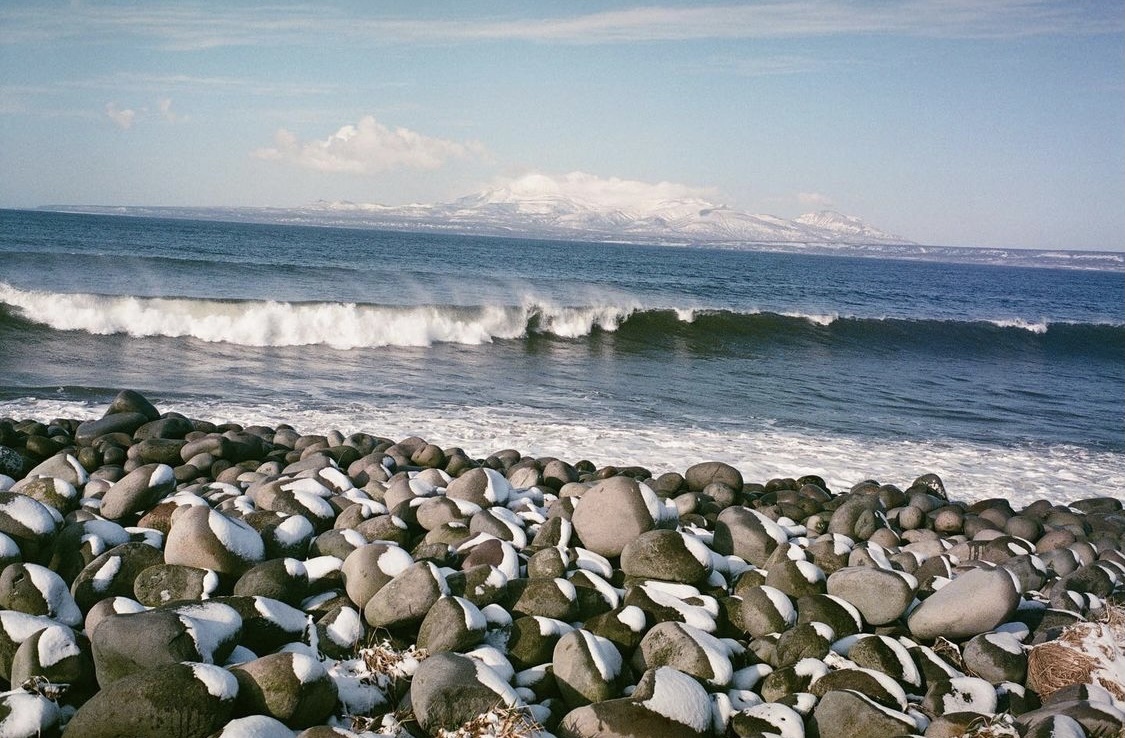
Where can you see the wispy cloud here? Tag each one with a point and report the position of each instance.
(123, 118)
(368, 147)
(814, 200)
(126, 118)
(193, 27)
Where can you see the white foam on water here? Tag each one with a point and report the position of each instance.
(970, 470)
(342, 325)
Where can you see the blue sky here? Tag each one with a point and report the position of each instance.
(951, 122)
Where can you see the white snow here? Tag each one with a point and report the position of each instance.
(338, 479)
(319, 567)
(393, 561)
(315, 504)
(293, 530)
(566, 589)
(210, 583)
(748, 677)
(781, 603)
(56, 643)
(103, 577)
(27, 713)
(697, 549)
(587, 560)
(488, 677)
(218, 681)
(496, 615)
(495, 659)
(969, 694)
(60, 603)
(551, 626)
(9, 549)
(812, 668)
(498, 488)
(680, 698)
(716, 652)
(30, 513)
(633, 618)
(1005, 642)
(611, 594)
(787, 721)
(606, 657)
(699, 616)
(474, 619)
(346, 629)
(305, 485)
(287, 617)
(236, 536)
(305, 668)
(161, 476)
(255, 726)
(810, 571)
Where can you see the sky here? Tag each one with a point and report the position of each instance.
(951, 122)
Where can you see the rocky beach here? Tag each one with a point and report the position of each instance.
(168, 576)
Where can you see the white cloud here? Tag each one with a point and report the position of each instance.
(122, 117)
(165, 106)
(814, 199)
(594, 190)
(368, 147)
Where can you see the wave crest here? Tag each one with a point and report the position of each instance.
(349, 325)
(342, 325)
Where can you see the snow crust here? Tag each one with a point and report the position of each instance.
(236, 536)
(633, 618)
(218, 681)
(680, 698)
(606, 657)
(56, 643)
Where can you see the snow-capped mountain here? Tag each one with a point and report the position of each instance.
(594, 209)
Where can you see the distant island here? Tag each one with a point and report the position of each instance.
(536, 207)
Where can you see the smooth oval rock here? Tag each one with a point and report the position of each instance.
(972, 603)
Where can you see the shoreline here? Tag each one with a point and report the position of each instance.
(972, 470)
(254, 578)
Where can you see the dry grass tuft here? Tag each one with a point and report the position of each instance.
(1085, 653)
(995, 726)
(41, 686)
(499, 722)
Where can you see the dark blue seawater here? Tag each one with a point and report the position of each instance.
(1005, 380)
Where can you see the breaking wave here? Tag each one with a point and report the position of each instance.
(348, 325)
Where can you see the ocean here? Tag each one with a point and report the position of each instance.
(1003, 380)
